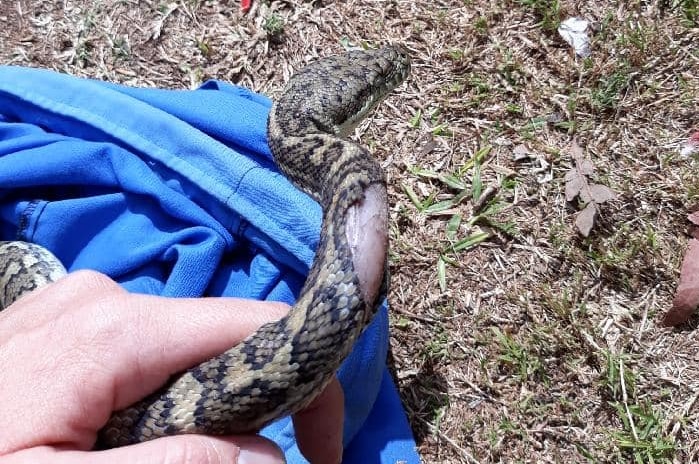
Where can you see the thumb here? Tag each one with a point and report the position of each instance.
(181, 449)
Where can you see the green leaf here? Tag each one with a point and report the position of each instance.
(453, 226)
(422, 172)
(477, 158)
(402, 323)
(442, 274)
(415, 120)
(470, 241)
(440, 206)
(445, 204)
(452, 181)
(442, 130)
(476, 182)
(413, 197)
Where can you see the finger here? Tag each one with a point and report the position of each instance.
(176, 334)
(103, 352)
(318, 428)
(45, 303)
(185, 449)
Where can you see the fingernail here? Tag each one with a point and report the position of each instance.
(261, 453)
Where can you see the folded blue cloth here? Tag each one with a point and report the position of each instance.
(175, 193)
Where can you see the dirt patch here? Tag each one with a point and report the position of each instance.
(514, 339)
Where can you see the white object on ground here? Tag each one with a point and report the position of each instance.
(691, 146)
(574, 31)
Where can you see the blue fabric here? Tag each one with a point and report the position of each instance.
(175, 193)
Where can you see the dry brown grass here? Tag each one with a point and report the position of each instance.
(538, 345)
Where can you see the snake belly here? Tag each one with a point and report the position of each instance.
(284, 365)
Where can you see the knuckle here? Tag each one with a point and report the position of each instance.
(91, 281)
(94, 303)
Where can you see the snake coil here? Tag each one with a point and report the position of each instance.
(281, 367)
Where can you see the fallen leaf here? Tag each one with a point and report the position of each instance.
(428, 147)
(586, 219)
(694, 218)
(601, 193)
(687, 294)
(520, 152)
(586, 167)
(578, 185)
(574, 187)
(583, 166)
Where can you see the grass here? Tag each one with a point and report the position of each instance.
(608, 90)
(547, 11)
(513, 338)
(274, 26)
(517, 358)
(642, 437)
(465, 182)
(688, 9)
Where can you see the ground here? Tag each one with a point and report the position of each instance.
(514, 338)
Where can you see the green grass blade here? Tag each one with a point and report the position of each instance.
(442, 274)
(413, 197)
(470, 241)
(453, 226)
(444, 205)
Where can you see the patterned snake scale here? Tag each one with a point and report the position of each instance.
(281, 367)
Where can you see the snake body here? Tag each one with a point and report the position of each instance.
(281, 367)
(24, 267)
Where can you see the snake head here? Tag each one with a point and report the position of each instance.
(385, 68)
(334, 94)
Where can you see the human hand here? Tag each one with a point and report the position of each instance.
(76, 350)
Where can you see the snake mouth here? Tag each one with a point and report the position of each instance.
(390, 68)
(367, 235)
(401, 66)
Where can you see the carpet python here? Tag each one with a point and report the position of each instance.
(281, 367)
